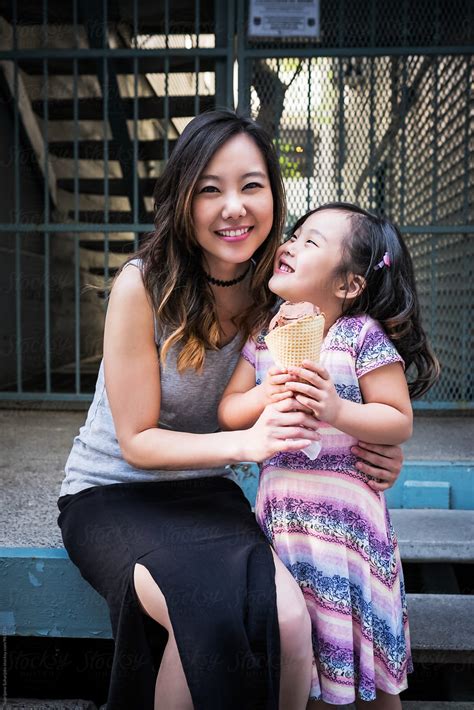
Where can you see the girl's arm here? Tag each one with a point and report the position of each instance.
(386, 415)
(132, 378)
(243, 401)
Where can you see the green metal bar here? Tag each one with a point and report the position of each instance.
(196, 59)
(75, 23)
(105, 123)
(341, 23)
(252, 53)
(17, 208)
(318, 51)
(243, 61)
(136, 227)
(309, 141)
(230, 54)
(166, 112)
(340, 138)
(84, 397)
(98, 53)
(135, 128)
(77, 316)
(47, 255)
(340, 132)
(371, 175)
(77, 271)
(466, 332)
(45, 397)
(135, 119)
(403, 139)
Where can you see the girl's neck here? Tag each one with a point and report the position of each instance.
(331, 313)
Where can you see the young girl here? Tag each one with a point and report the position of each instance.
(327, 524)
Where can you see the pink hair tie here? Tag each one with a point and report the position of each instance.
(385, 262)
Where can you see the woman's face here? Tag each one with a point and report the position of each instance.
(232, 205)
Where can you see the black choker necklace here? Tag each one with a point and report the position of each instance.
(220, 282)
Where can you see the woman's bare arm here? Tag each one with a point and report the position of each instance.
(132, 378)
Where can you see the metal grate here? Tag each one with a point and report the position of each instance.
(94, 96)
(394, 133)
(378, 110)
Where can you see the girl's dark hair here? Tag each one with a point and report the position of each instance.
(173, 275)
(389, 295)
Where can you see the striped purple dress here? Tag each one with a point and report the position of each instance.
(334, 534)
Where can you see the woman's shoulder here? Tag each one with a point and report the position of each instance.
(129, 311)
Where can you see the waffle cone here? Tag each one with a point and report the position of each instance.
(291, 344)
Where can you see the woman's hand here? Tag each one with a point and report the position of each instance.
(317, 392)
(382, 463)
(282, 426)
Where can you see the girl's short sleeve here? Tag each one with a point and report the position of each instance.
(249, 352)
(374, 349)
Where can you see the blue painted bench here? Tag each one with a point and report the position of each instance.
(43, 594)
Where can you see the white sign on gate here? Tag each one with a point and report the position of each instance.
(284, 18)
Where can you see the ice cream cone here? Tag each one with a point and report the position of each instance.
(291, 344)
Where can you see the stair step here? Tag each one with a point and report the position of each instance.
(115, 246)
(121, 65)
(96, 186)
(434, 535)
(92, 109)
(442, 626)
(94, 150)
(115, 217)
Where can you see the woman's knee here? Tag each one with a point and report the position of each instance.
(150, 596)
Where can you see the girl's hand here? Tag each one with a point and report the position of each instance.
(282, 426)
(382, 463)
(273, 386)
(317, 392)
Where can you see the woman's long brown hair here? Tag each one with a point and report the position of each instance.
(182, 299)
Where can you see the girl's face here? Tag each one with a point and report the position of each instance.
(304, 265)
(232, 205)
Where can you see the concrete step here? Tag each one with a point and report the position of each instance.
(442, 627)
(435, 535)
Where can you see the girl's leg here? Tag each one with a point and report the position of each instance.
(295, 640)
(384, 701)
(171, 690)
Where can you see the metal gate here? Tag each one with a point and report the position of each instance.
(379, 110)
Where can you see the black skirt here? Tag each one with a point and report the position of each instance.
(200, 542)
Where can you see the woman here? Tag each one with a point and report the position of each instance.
(148, 512)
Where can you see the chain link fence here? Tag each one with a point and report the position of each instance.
(390, 128)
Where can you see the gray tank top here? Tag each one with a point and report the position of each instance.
(189, 403)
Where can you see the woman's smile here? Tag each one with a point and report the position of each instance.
(234, 234)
